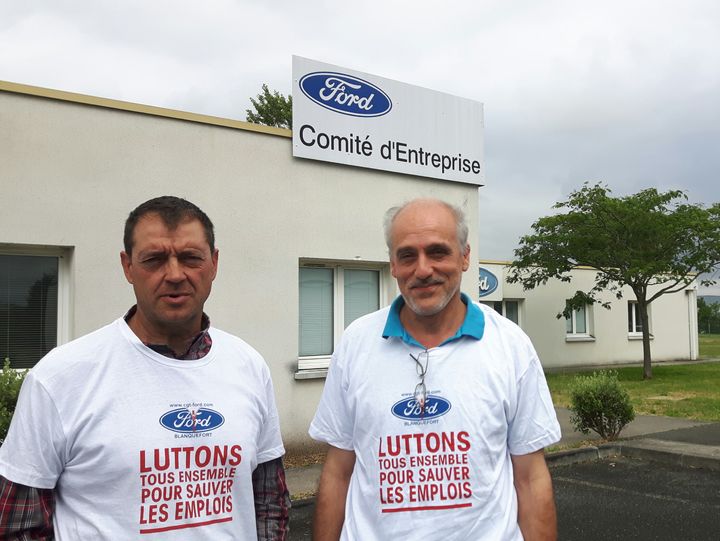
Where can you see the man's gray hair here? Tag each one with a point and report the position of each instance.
(457, 212)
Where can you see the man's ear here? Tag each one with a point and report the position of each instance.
(126, 262)
(466, 258)
(214, 256)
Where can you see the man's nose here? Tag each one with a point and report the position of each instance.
(424, 267)
(174, 271)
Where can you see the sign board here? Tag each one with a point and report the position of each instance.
(490, 286)
(345, 116)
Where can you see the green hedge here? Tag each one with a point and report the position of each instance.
(10, 382)
(599, 403)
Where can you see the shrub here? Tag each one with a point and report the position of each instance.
(599, 403)
(10, 382)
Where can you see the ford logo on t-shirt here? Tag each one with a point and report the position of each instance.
(409, 408)
(192, 420)
(345, 94)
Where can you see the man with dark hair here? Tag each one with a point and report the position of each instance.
(436, 408)
(157, 425)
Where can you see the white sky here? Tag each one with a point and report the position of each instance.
(624, 92)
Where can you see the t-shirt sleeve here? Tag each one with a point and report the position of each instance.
(534, 424)
(270, 444)
(34, 452)
(332, 423)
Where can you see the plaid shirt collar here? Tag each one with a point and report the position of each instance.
(199, 347)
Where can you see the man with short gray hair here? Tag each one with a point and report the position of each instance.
(436, 408)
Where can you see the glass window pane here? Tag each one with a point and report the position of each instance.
(316, 311)
(511, 311)
(580, 321)
(631, 326)
(362, 293)
(569, 322)
(28, 308)
(498, 307)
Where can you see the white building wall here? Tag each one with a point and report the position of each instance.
(71, 172)
(674, 335)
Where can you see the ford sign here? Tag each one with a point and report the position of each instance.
(410, 410)
(488, 282)
(185, 420)
(345, 94)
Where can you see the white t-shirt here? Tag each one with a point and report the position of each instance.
(141, 446)
(446, 474)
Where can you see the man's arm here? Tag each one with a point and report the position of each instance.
(536, 505)
(25, 512)
(332, 493)
(272, 501)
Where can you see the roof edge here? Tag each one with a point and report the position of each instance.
(61, 95)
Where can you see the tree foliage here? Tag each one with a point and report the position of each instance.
(708, 316)
(271, 109)
(654, 242)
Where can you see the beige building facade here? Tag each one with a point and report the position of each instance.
(301, 242)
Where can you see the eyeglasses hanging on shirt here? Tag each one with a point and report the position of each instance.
(421, 366)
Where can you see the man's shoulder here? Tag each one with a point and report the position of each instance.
(497, 321)
(372, 322)
(82, 352)
(223, 339)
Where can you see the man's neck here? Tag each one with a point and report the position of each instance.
(431, 331)
(178, 340)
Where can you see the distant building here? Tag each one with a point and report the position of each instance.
(593, 335)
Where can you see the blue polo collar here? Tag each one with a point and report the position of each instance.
(473, 325)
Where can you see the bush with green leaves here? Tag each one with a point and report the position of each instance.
(10, 382)
(599, 403)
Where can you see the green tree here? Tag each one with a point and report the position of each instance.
(271, 109)
(708, 316)
(654, 242)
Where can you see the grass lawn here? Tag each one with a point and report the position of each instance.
(689, 390)
(710, 345)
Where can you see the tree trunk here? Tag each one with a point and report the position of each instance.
(645, 322)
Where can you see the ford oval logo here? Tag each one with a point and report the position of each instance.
(345, 94)
(185, 420)
(409, 409)
(488, 282)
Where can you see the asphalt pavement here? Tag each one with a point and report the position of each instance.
(661, 481)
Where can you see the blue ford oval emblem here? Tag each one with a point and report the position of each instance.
(488, 282)
(409, 409)
(345, 94)
(188, 420)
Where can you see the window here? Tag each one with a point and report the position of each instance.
(508, 308)
(29, 286)
(578, 325)
(634, 327)
(332, 297)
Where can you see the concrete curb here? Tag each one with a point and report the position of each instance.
(583, 454)
(686, 455)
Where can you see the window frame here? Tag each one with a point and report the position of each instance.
(64, 256)
(313, 366)
(634, 334)
(573, 335)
